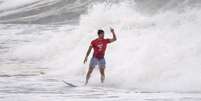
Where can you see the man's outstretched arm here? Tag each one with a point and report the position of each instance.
(114, 38)
(88, 52)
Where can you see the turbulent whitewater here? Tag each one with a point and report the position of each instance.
(45, 41)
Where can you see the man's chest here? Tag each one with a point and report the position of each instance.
(99, 45)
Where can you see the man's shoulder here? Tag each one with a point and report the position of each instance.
(93, 41)
(106, 39)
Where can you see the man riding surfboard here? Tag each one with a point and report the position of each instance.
(99, 46)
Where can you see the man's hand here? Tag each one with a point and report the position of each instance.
(85, 60)
(111, 29)
(88, 52)
(114, 38)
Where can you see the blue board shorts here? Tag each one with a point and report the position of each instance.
(95, 61)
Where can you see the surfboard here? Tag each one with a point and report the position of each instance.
(70, 84)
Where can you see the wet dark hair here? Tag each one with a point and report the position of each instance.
(100, 31)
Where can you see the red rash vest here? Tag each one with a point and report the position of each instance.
(99, 46)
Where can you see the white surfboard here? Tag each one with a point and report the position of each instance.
(70, 84)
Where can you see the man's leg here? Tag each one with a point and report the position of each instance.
(92, 65)
(88, 74)
(102, 72)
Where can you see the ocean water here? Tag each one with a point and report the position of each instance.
(157, 56)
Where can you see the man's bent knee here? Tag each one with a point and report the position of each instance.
(90, 69)
(102, 70)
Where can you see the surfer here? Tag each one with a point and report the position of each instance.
(99, 46)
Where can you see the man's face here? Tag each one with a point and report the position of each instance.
(101, 35)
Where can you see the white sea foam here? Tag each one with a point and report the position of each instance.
(153, 53)
(156, 53)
